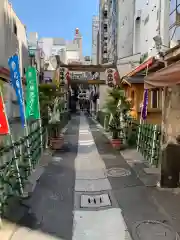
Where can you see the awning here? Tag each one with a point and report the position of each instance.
(141, 67)
(5, 73)
(165, 77)
(134, 79)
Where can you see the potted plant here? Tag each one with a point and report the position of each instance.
(115, 129)
(51, 106)
(117, 106)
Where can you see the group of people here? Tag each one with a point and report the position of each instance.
(84, 103)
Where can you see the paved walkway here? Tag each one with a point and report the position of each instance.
(88, 191)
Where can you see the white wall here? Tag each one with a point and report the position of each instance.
(23, 45)
(9, 42)
(72, 55)
(55, 50)
(157, 11)
(46, 45)
(125, 28)
(2, 29)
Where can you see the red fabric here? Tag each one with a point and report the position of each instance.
(4, 128)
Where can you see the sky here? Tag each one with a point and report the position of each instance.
(58, 18)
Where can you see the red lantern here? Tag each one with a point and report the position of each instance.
(68, 77)
(116, 77)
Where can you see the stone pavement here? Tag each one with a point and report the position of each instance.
(89, 191)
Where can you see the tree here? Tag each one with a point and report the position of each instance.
(118, 107)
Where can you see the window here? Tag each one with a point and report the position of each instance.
(105, 14)
(155, 98)
(15, 28)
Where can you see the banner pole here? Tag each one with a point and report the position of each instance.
(12, 142)
(25, 120)
(26, 130)
(40, 121)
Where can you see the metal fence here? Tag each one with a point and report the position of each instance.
(146, 137)
(20, 156)
(17, 159)
(149, 142)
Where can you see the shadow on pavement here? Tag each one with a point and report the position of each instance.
(50, 208)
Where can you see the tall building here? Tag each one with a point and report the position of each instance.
(112, 30)
(103, 31)
(95, 30)
(78, 42)
(52, 46)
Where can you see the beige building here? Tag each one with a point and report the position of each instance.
(13, 36)
(13, 39)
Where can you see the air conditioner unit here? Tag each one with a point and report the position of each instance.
(174, 43)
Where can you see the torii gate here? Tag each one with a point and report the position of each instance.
(90, 68)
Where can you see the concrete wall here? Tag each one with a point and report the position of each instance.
(10, 43)
(125, 28)
(154, 20)
(72, 55)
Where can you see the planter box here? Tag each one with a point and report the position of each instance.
(116, 143)
(57, 143)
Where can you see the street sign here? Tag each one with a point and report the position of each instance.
(32, 51)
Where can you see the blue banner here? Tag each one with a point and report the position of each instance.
(15, 80)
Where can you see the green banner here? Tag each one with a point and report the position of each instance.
(32, 96)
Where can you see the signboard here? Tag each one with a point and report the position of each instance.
(110, 77)
(32, 51)
(96, 82)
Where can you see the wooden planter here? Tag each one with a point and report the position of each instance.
(57, 143)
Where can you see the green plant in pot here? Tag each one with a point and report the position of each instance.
(117, 106)
(51, 106)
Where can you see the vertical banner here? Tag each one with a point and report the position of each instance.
(145, 104)
(32, 96)
(4, 126)
(15, 79)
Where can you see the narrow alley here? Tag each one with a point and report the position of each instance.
(88, 191)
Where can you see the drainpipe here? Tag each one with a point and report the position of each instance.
(159, 18)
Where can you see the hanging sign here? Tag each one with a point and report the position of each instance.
(110, 77)
(145, 104)
(32, 99)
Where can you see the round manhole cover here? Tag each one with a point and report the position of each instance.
(118, 172)
(148, 230)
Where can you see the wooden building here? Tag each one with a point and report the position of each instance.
(133, 84)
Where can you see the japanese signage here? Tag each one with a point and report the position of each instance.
(32, 99)
(110, 81)
(15, 80)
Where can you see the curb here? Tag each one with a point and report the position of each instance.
(99, 126)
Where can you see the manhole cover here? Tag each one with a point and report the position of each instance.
(118, 172)
(56, 159)
(95, 201)
(148, 230)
